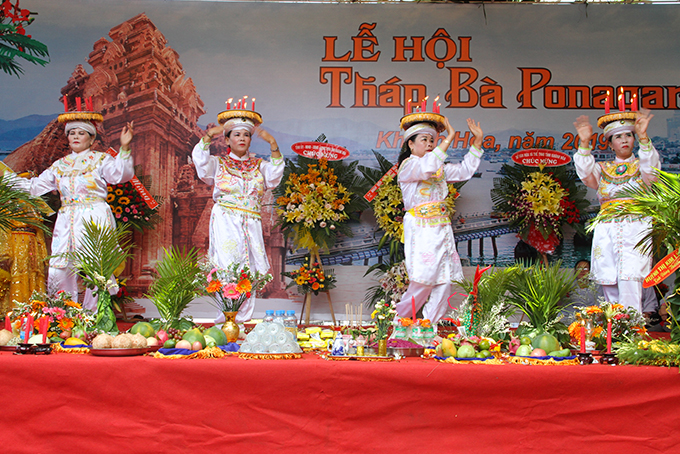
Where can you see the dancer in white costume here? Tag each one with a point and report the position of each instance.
(617, 265)
(81, 179)
(240, 182)
(432, 261)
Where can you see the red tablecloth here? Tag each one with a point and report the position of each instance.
(85, 404)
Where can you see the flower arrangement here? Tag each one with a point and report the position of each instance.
(486, 309)
(383, 315)
(129, 208)
(122, 297)
(64, 315)
(540, 202)
(628, 325)
(315, 201)
(392, 283)
(388, 203)
(231, 287)
(311, 278)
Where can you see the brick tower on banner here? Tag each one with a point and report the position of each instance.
(136, 77)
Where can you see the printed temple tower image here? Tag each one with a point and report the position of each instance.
(137, 77)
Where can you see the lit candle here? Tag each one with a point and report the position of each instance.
(29, 328)
(606, 103)
(583, 338)
(634, 103)
(435, 108)
(65, 103)
(8, 323)
(609, 336)
(78, 104)
(253, 105)
(88, 102)
(622, 104)
(408, 107)
(245, 105)
(239, 104)
(413, 307)
(423, 105)
(229, 103)
(43, 329)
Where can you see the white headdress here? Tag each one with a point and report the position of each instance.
(84, 125)
(420, 128)
(238, 123)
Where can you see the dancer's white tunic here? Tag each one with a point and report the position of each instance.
(81, 179)
(235, 222)
(432, 261)
(616, 264)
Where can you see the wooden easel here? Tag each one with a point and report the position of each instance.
(307, 301)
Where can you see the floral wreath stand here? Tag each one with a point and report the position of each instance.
(307, 301)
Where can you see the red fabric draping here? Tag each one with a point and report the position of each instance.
(82, 404)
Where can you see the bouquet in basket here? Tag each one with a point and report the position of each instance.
(311, 278)
(540, 203)
(65, 316)
(231, 287)
(628, 324)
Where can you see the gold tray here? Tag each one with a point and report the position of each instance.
(608, 118)
(118, 351)
(227, 115)
(420, 117)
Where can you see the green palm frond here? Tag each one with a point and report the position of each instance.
(17, 206)
(540, 292)
(661, 203)
(14, 45)
(102, 249)
(492, 286)
(176, 283)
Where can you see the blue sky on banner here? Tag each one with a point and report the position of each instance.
(274, 52)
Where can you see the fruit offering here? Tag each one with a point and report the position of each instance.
(541, 345)
(124, 340)
(473, 347)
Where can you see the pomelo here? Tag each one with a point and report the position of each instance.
(523, 350)
(546, 342)
(466, 351)
(143, 328)
(217, 334)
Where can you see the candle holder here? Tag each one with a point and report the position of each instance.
(609, 359)
(43, 349)
(24, 349)
(585, 358)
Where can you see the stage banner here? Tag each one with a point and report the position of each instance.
(348, 72)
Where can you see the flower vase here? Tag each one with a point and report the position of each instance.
(382, 347)
(230, 327)
(106, 319)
